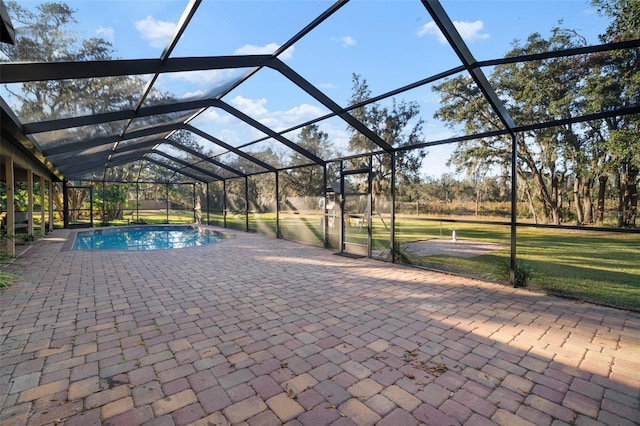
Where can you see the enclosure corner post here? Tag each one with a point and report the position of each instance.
(102, 204)
(370, 204)
(392, 242)
(30, 201)
(50, 203)
(207, 205)
(224, 203)
(194, 203)
(246, 203)
(43, 227)
(91, 206)
(278, 232)
(514, 208)
(168, 202)
(325, 233)
(10, 180)
(341, 204)
(65, 203)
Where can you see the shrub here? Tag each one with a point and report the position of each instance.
(7, 278)
(523, 273)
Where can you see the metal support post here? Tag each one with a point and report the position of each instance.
(393, 208)
(514, 207)
(65, 203)
(278, 233)
(207, 204)
(325, 212)
(224, 203)
(246, 203)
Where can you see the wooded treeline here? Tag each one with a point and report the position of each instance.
(589, 157)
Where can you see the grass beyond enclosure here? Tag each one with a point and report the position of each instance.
(596, 266)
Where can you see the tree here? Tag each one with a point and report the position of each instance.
(309, 180)
(46, 34)
(399, 126)
(535, 91)
(615, 82)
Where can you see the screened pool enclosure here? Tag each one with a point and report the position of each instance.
(383, 129)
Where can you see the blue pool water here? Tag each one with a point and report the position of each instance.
(145, 238)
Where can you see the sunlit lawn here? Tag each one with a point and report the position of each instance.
(597, 266)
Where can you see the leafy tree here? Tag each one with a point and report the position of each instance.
(113, 199)
(583, 156)
(398, 126)
(535, 91)
(615, 82)
(46, 34)
(309, 180)
(545, 91)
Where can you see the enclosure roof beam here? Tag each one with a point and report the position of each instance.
(21, 72)
(80, 160)
(163, 109)
(109, 140)
(452, 35)
(158, 141)
(620, 112)
(188, 165)
(318, 95)
(73, 159)
(105, 117)
(87, 166)
(161, 131)
(529, 127)
(175, 169)
(264, 129)
(598, 48)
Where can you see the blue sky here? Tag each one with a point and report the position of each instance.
(389, 43)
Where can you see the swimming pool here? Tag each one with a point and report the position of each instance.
(145, 238)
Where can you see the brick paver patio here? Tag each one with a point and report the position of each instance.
(259, 331)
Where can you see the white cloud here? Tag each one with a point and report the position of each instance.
(326, 86)
(205, 77)
(276, 120)
(156, 32)
(299, 114)
(198, 94)
(252, 107)
(345, 41)
(469, 31)
(210, 115)
(233, 131)
(267, 49)
(226, 127)
(106, 32)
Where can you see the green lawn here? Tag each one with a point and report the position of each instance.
(595, 266)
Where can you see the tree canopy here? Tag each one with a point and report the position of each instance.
(583, 157)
